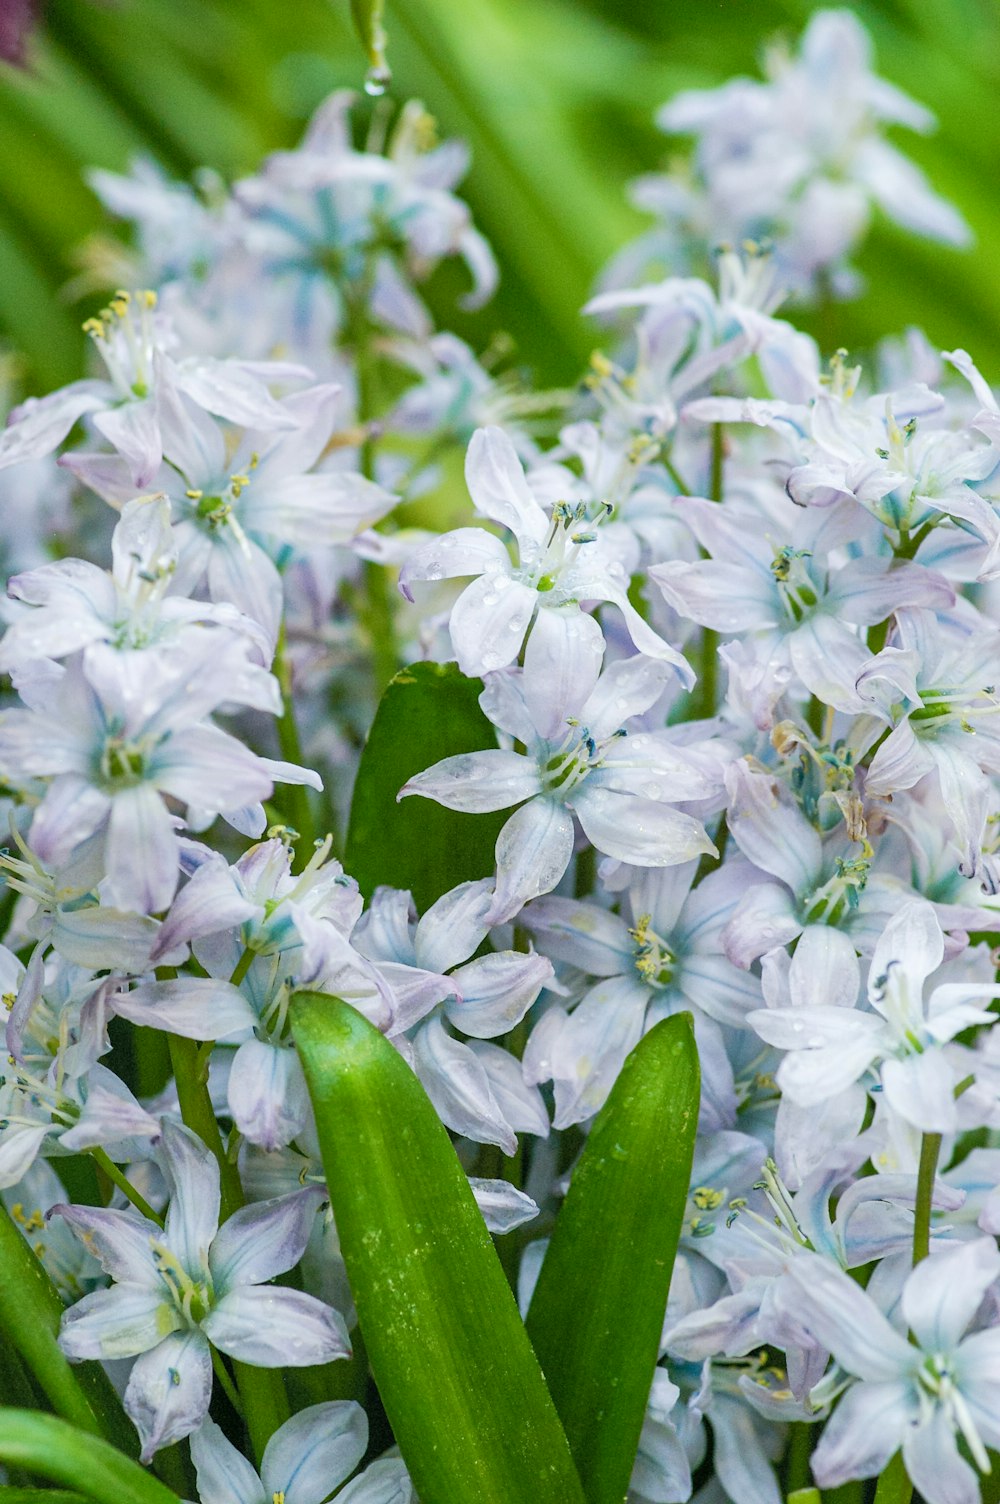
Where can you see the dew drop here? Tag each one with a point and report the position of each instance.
(377, 80)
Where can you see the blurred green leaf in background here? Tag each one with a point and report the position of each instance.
(556, 100)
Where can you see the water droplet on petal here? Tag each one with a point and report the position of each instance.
(377, 80)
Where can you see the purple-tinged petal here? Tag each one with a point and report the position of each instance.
(169, 1390)
(533, 851)
(725, 597)
(503, 1206)
(520, 1102)
(316, 1450)
(257, 1242)
(770, 830)
(40, 424)
(208, 903)
(642, 831)
(141, 853)
(842, 1318)
(117, 1323)
(900, 762)
(496, 991)
(583, 934)
(934, 1464)
(224, 1474)
(19, 1148)
(271, 1327)
(121, 1240)
(763, 919)
(454, 926)
(944, 1292)
(267, 1094)
(194, 1007)
(70, 812)
(476, 782)
(864, 1431)
(107, 1118)
(192, 1175)
(459, 1088)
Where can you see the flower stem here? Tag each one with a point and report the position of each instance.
(228, 1387)
(297, 795)
(894, 1486)
(198, 1113)
(117, 1178)
(930, 1148)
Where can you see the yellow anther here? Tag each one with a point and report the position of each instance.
(254, 461)
(278, 1497)
(706, 1198)
(147, 298)
(93, 327)
(194, 495)
(121, 296)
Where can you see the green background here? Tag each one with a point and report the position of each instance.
(556, 99)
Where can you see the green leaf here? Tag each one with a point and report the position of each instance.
(52, 1448)
(30, 1313)
(597, 1311)
(39, 1496)
(459, 1381)
(429, 711)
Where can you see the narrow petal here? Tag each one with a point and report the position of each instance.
(477, 782)
(117, 1323)
(192, 1174)
(224, 1474)
(846, 1321)
(169, 1390)
(496, 991)
(642, 831)
(495, 478)
(267, 1093)
(864, 1431)
(465, 550)
(562, 662)
(944, 1292)
(533, 851)
(257, 1242)
(315, 1451)
(141, 854)
(271, 1327)
(921, 1088)
(194, 1007)
(121, 1240)
(932, 1459)
(459, 1087)
(488, 622)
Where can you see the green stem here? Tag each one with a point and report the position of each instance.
(379, 619)
(797, 1477)
(198, 1113)
(264, 1401)
(115, 1175)
(296, 796)
(242, 966)
(717, 480)
(894, 1486)
(228, 1387)
(930, 1149)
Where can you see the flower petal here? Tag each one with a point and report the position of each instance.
(312, 1453)
(257, 1242)
(271, 1327)
(169, 1390)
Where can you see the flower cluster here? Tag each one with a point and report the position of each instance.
(737, 629)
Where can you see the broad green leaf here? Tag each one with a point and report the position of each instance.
(30, 1312)
(456, 1373)
(597, 1311)
(52, 1448)
(429, 711)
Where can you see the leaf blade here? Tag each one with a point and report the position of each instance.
(52, 1448)
(428, 711)
(454, 1367)
(597, 1311)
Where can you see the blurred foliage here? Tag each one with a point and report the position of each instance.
(556, 99)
